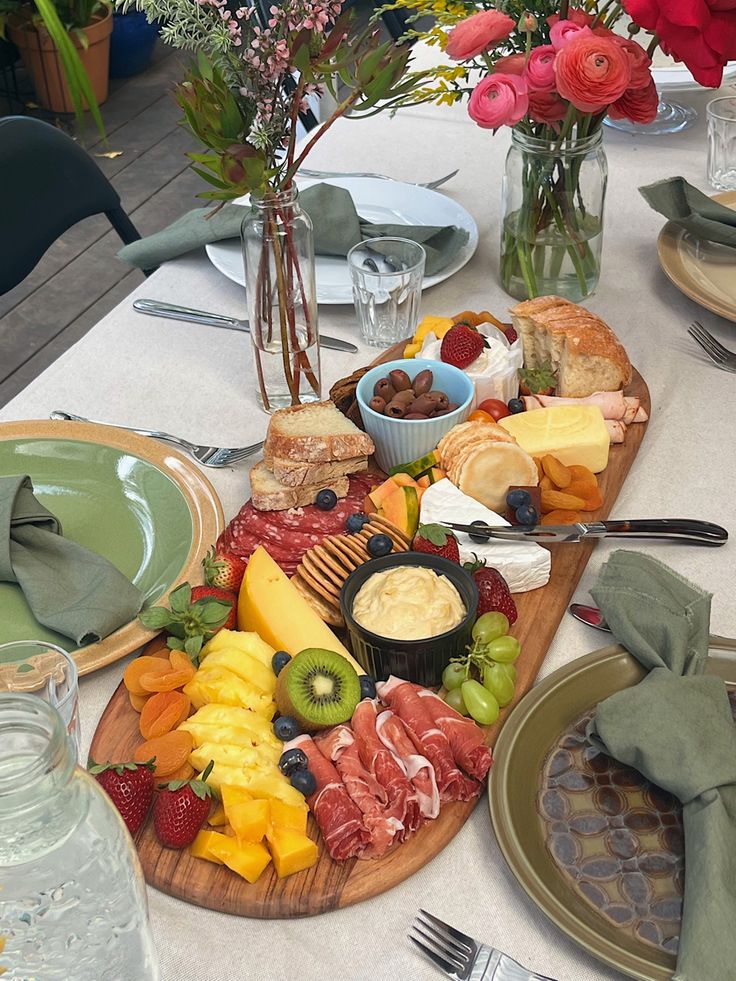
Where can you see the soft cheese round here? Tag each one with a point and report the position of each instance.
(494, 372)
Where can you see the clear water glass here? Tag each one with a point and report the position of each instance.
(38, 668)
(721, 115)
(387, 274)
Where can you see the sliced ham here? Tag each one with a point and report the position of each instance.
(403, 803)
(337, 815)
(392, 733)
(465, 737)
(613, 405)
(616, 430)
(339, 746)
(401, 697)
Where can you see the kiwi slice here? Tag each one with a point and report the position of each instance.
(319, 688)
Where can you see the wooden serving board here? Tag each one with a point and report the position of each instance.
(329, 885)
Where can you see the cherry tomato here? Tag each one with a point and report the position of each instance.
(495, 408)
(479, 416)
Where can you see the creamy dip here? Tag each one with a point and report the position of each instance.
(408, 603)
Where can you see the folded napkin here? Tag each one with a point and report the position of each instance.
(337, 228)
(676, 728)
(68, 588)
(687, 206)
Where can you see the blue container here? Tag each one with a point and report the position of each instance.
(131, 43)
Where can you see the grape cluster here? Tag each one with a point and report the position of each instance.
(482, 682)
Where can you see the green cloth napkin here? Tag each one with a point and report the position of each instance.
(68, 588)
(337, 228)
(687, 206)
(676, 728)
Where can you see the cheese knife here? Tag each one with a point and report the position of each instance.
(683, 530)
(592, 617)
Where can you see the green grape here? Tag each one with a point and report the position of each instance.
(504, 649)
(508, 669)
(490, 626)
(498, 683)
(453, 675)
(454, 699)
(481, 704)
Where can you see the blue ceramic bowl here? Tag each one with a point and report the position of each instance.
(403, 440)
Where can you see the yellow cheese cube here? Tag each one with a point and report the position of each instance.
(248, 859)
(575, 434)
(412, 350)
(232, 795)
(291, 851)
(435, 325)
(201, 846)
(288, 816)
(250, 820)
(217, 818)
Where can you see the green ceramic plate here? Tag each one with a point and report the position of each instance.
(137, 503)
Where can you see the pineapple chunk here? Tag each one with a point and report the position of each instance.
(287, 816)
(241, 640)
(249, 819)
(237, 718)
(247, 859)
(412, 350)
(217, 818)
(200, 847)
(291, 851)
(247, 668)
(228, 755)
(219, 685)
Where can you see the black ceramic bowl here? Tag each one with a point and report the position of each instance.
(419, 661)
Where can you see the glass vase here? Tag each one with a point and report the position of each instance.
(552, 234)
(278, 251)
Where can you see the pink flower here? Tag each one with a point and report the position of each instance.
(540, 69)
(547, 107)
(478, 33)
(499, 100)
(575, 15)
(563, 31)
(640, 61)
(512, 64)
(592, 72)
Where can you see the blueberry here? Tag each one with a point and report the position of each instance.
(304, 782)
(379, 545)
(355, 522)
(367, 687)
(479, 539)
(286, 728)
(527, 515)
(518, 498)
(515, 406)
(292, 760)
(279, 661)
(326, 500)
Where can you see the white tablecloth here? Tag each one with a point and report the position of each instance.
(198, 382)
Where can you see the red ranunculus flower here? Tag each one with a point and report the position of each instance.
(511, 64)
(574, 14)
(547, 107)
(700, 33)
(640, 61)
(639, 104)
(478, 33)
(499, 100)
(592, 72)
(540, 69)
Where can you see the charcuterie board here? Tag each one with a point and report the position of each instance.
(329, 885)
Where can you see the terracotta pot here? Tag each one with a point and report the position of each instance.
(40, 56)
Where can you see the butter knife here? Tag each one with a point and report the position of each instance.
(683, 530)
(173, 312)
(592, 617)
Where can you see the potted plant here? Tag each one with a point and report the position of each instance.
(131, 44)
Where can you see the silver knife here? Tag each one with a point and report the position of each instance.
(173, 312)
(592, 617)
(683, 530)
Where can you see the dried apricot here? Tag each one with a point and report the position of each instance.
(486, 317)
(561, 518)
(593, 499)
(138, 701)
(180, 661)
(141, 666)
(166, 681)
(467, 317)
(554, 500)
(545, 484)
(170, 752)
(185, 772)
(540, 468)
(581, 475)
(556, 471)
(163, 712)
(156, 647)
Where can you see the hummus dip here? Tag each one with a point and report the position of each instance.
(408, 603)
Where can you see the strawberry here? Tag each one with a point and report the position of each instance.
(511, 335)
(493, 590)
(461, 345)
(181, 809)
(436, 540)
(223, 570)
(196, 614)
(537, 381)
(129, 786)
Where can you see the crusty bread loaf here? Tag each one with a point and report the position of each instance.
(267, 494)
(583, 351)
(315, 433)
(296, 474)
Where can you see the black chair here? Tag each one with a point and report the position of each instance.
(47, 184)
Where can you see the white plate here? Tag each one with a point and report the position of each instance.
(675, 77)
(378, 201)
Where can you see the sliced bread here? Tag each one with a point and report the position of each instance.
(268, 494)
(315, 433)
(296, 474)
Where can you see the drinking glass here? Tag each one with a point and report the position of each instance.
(721, 115)
(387, 286)
(38, 668)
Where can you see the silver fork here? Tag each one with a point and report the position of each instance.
(463, 958)
(208, 456)
(336, 173)
(718, 354)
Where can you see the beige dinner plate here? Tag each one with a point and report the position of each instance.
(704, 271)
(141, 505)
(520, 757)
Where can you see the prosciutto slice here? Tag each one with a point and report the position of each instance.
(464, 736)
(403, 803)
(401, 697)
(339, 745)
(392, 733)
(338, 817)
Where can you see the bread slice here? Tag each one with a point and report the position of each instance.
(315, 433)
(294, 474)
(267, 494)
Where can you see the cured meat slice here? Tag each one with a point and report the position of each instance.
(418, 769)
(287, 535)
(465, 737)
(339, 745)
(338, 817)
(401, 697)
(403, 803)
